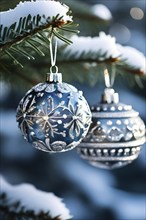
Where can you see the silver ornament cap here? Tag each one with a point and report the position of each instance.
(116, 134)
(54, 77)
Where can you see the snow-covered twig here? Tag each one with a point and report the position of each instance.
(100, 48)
(133, 58)
(44, 8)
(30, 25)
(105, 49)
(30, 17)
(26, 199)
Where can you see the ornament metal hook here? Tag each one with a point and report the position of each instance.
(55, 67)
(109, 96)
(109, 79)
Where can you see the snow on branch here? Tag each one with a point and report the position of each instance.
(29, 16)
(132, 58)
(25, 198)
(101, 48)
(101, 11)
(29, 26)
(45, 8)
(105, 49)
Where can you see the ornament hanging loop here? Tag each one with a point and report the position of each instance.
(55, 68)
(53, 76)
(53, 56)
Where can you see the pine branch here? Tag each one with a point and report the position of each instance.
(32, 31)
(13, 73)
(30, 215)
(85, 58)
(11, 37)
(27, 203)
(119, 64)
(103, 49)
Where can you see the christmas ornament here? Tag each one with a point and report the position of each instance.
(54, 116)
(116, 135)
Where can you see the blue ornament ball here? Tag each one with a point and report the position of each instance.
(54, 117)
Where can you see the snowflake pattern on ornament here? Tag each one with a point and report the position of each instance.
(54, 117)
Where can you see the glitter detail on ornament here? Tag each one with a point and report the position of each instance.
(109, 122)
(52, 122)
(115, 134)
(118, 122)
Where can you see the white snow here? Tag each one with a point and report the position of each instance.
(104, 45)
(132, 57)
(101, 11)
(33, 199)
(43, 7)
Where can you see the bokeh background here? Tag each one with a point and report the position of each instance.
(90, 193)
